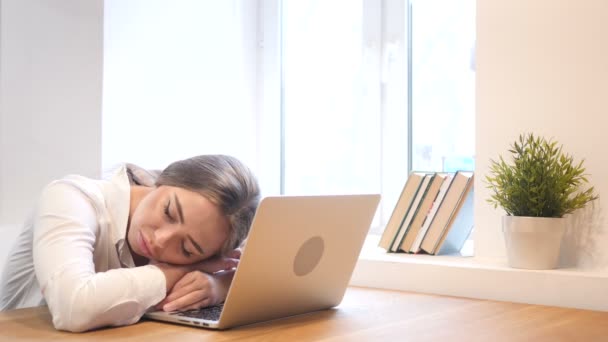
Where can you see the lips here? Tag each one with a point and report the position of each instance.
(143, 246)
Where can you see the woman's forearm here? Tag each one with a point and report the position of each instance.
(80, 301)
(173, 273)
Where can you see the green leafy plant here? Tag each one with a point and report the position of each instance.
(541, 181)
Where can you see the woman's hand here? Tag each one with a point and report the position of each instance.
(218, 263)
(198, 285)
(236, 253)
(173, 273)
(196, 290)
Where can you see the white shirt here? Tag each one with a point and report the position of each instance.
(72, 253)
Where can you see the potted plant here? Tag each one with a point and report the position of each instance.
(536, 189)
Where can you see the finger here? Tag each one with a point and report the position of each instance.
(183, 291)
(217, 264)
(187, 300)
(187, 279)
(180, 288)
(195, 281)
(235, 254)
(200, 304)
(229, 263)
(160, 305)
(178, 291)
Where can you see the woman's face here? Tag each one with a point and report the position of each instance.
(176, 226)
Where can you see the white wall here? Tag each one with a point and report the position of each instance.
(179, 80)
(50, 97)
(542, 67)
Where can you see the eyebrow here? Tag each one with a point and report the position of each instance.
(196, 245)
(179, 209)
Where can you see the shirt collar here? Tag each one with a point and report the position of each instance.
(117, 195)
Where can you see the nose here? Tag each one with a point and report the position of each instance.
(162, 239)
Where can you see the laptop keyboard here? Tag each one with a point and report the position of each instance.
(211, 313)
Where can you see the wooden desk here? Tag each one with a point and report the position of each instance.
(364, 315)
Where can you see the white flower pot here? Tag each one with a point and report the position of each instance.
(533, 242)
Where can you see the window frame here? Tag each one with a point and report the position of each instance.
(383, 29)
(474, 277)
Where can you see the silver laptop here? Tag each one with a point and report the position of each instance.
(300, 255)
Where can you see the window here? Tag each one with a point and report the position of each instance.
(443, 84)
(316, 96)
(331, 105)
(344, 99)
(345, 94)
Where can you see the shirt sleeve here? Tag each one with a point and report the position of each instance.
(65, 226)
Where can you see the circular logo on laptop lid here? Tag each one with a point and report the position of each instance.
(308, 256)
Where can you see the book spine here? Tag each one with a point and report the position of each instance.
(405, 224)
(429, 219)
(403, 204)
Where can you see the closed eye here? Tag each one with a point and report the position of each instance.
(186, 253)
(168, 212)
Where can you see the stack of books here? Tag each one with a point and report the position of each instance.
(433, 215)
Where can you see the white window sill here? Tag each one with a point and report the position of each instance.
(478, 278)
